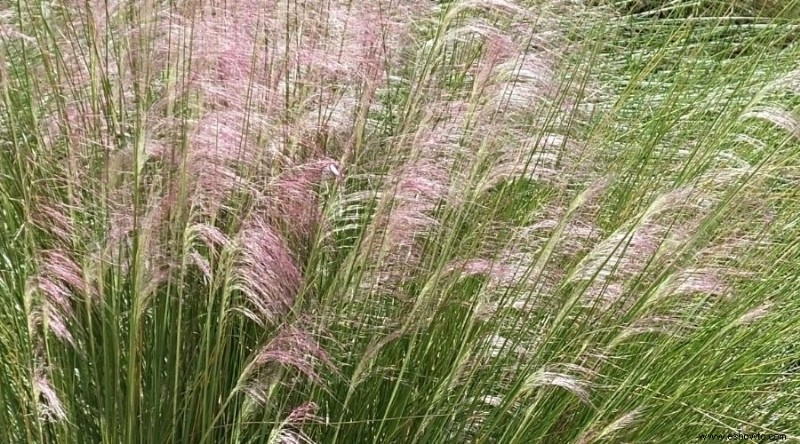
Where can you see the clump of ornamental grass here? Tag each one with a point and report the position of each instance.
(469, 221)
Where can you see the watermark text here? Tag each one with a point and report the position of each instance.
(742, 436)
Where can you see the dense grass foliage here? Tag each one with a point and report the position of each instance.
(484, 221)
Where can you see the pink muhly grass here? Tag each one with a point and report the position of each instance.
(413, 200)
(577, 235)
(349, 45)
(59, 280)
(498, 47)
(49, 403)
(551, 159)
(211, 236)
(693, 281)
(93, 11)
(494, 346)
(153, 223)
(289, 430)
(626, 251)
(292, 201)
(502, 271)
(778, 116)
(288, 436)
(83, 131)
(614, 261)
(55, 321)
(667, 325)
(59, 265)
(229, 137)
(430, 162)
(120, 221)
(54, 219)
(418, 187)
(511, 281)
(576, 385)
(522, 83)
(755, 313)
(329, 121)
(222, 146)
(295, 348)
(623, 252)
(56, 292)
(666, 226)
(201, 263)
(338, 43)
(514, 81)
(11, 32)
(77, 76)
(706, 281)
(345, 54)
(228, 66)
(266, 272)
(602, 295)
(304, 413)
(59, 284)
(596, 434)
(509, 169)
